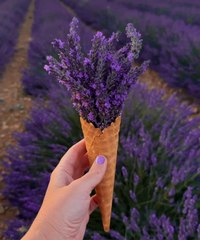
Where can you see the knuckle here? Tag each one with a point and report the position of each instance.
(97, 174)
(93, 174)
(72, 151)
(53, 174)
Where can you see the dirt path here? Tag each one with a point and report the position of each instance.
(14, 104)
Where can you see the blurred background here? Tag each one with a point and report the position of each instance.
(157, 180)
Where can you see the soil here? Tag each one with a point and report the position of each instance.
(14, 104)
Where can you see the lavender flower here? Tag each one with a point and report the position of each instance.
(198, 231)
(132, 195)
(124, 173)
(136, 179)
(103, 78)
(116, 235)
(182, 235)
(190, 211)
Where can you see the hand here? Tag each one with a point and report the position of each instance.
(67, 204)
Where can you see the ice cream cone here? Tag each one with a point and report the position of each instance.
(103, 143)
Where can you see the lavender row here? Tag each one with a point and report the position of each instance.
(190, 15)
(156, 192)
(12, 14)
(51, 21)
(2, 1)
(172, 46)
(174, 51)
(194, 3)
(94, 16)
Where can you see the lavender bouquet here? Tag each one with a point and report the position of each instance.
(99, 82)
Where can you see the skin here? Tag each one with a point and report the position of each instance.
(67, 204)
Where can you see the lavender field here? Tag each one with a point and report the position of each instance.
(157, 191)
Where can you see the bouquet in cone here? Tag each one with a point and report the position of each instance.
(99, 83)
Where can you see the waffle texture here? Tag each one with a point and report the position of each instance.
(103, 143)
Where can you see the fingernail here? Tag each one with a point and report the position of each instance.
(100, 159)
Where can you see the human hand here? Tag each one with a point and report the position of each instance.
(67, 204)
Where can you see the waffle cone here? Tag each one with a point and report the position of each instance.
(103, 143)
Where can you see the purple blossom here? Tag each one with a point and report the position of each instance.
(162, 226)
(178, 175)
(47, 68)
(172, 192)
(136, 179)
(125, 220)
(135, 214)
(198, 231)
(167, 227)
(124, 172)
(97, 236)
(159, 183)
(91, 116)
(86, 61)
(190, 212)
(182, 235)
(108, 69)
(116, 235)
(132, 195)
(58, 43)
(136, 42)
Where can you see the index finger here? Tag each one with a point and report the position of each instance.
(73, 157)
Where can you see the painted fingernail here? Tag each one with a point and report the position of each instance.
(100, 159)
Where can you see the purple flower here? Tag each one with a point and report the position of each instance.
(136, 179)
(108, 72)
(58, 43)
(190, 211)
(172, 192)
(116, 235)
(182, 235)
(132, 195)
(47, 68)
(86, 61)
(91, 116)
(159, 183)
(99, 35)
(124, 173)
(136, 42)
(198, 231)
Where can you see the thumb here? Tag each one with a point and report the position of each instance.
(94, 176)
